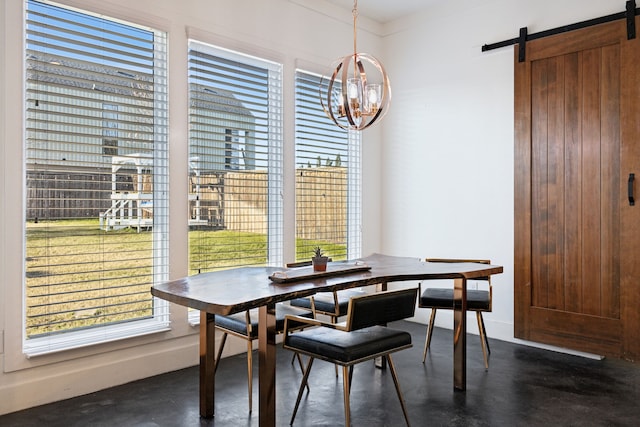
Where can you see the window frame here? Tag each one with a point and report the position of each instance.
(354, 162)
(273, 147)
(159, 321)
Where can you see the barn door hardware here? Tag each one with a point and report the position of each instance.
(629, 14)
(631, 21)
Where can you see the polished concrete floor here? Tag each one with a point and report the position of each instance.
(524, 386)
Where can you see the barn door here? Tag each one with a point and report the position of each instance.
(577, 236)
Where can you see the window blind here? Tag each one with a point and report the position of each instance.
(96, 178)
(327, 177)
(235, 164)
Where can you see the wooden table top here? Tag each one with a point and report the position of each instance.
(239, 289)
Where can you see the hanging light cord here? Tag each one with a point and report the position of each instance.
(355, 36)
(355, 17)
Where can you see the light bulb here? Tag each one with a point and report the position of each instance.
(353, 88)
(372, 94)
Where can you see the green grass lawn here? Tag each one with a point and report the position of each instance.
(79, 276)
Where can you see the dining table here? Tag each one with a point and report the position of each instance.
(236, 290)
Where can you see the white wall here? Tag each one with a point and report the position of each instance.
(438, 172)
(448, 139)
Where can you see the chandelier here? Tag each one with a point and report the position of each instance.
(358, 92)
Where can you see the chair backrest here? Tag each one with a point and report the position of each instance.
(380, 308)
(454, 260)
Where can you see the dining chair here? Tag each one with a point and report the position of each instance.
(360, 338)
(244, 325)
(478, 300)
(332, 304)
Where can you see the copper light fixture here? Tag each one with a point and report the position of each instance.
(358, 93)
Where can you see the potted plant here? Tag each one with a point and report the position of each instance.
(319, 260)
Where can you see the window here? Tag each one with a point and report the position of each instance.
(327, 178)
(110, 129)
(96, 179)
(235, 160)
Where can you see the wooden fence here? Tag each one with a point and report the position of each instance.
(231, 200)
(321, 203)
(58, 195)
(240, 199)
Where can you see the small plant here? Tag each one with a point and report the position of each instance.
(317, 252)
(319, 260)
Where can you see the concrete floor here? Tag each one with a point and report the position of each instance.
(524, 387)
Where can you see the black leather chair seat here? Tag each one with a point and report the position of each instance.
(324, 302)
(359, 339)
(349, 347)
(238, 322)
(443, 298)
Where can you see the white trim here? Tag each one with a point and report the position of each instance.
(159, 322)
(104, 334)
(354, 192)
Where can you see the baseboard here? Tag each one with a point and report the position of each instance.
(502, 331)
(49, 384)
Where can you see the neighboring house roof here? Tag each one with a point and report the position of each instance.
(208, 98)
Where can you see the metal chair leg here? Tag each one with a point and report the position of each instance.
(392, 368)
(217, 361)
(334, 320)
(484, 331)
(250, 373)
(305, 377)
(223, 341)
(297, 356)
(484, 341)
(427, 341)
(346, 385)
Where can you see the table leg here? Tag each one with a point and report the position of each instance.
(267, 374)
(460, 334)
(207, 362)
(381, 362)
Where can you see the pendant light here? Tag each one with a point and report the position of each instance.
(358, 93)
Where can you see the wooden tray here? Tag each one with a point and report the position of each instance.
(303, 273)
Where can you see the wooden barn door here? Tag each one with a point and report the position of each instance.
(577, 237)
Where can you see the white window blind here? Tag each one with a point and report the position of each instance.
(96, 179)
(328, 205)
(235, 164)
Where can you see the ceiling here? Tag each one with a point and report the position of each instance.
(385, 10)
